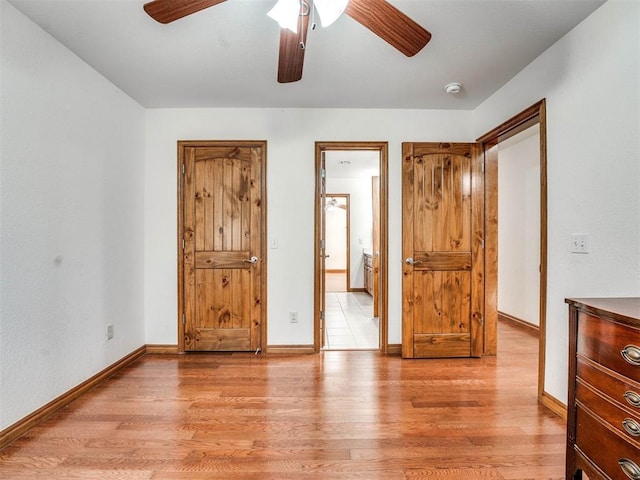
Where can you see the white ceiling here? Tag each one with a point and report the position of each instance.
(226, 56)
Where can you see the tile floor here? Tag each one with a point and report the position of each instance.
(349, 321)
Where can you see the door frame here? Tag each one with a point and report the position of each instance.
(535, 114)
(180, 170)
(383, 150)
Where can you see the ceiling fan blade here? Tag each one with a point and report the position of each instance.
(291, 54)
(166, 11)
(390, 24)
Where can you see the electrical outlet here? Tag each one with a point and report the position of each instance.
(293, 317)
(109, 332)
(579, 244)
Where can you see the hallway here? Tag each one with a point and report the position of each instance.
(349, 322)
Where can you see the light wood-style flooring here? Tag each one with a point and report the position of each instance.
(335, 415)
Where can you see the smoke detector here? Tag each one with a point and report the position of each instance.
(453, 87)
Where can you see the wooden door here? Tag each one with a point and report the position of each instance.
(222, 227)
(442, 249)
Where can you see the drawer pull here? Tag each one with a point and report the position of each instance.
(629, 468)
(632, 398)
(631, 354)
(631, 427)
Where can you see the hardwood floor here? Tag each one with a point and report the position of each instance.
(336, 415)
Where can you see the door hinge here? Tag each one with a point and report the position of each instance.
(321, 314)
(183, 243)
(183, 168)
(323, 173)
(482, 244)
(482, 166)
(184, 320)
(321, 244)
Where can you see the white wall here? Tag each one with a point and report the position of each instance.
(361, 224)
(71, 241)
(519, 226)
(590, 80)
(290, 134)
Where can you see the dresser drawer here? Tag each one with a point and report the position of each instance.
(623, 421)
(618, 388)
(605, 342)
(604, 448)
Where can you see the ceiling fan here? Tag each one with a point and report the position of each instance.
(379, 16)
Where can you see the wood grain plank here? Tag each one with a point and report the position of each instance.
(222, 259)
(208, 200)
(228, 205)
(188, 254)
(422, 175)
(336, 415)
(219, 203)
(408, 219)
(442, 345)
(450, 261)
(257, 221)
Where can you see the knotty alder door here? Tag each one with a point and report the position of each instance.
(222, 225)
(442, 218)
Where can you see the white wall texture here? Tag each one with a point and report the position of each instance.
(519, 226)
(590, 79)
(71, 224)
(291, 135)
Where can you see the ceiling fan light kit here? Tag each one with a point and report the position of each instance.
(286, 13)
(378, 16)
(330, 10)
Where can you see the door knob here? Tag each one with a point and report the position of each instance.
(253, 260)
(409, 261)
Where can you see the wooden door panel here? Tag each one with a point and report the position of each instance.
(442, 300)
(441, 345)
(442, 267)
(223, 340)
(223, 231)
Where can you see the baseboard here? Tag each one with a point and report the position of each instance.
(553, 404)
(329, 270)
(162, 349)
(15, 431)
(356, 289)
(394, 349)
(290, 350)
(518, 322)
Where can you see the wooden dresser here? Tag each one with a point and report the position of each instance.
(603, 421)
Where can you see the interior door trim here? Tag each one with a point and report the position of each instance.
(383, 149)
(536, 113)
(182, 146)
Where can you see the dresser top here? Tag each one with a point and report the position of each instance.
(626, 309)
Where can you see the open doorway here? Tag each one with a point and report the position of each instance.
(519, 229)
(337, 213)
(350, 286)
(528, 124)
